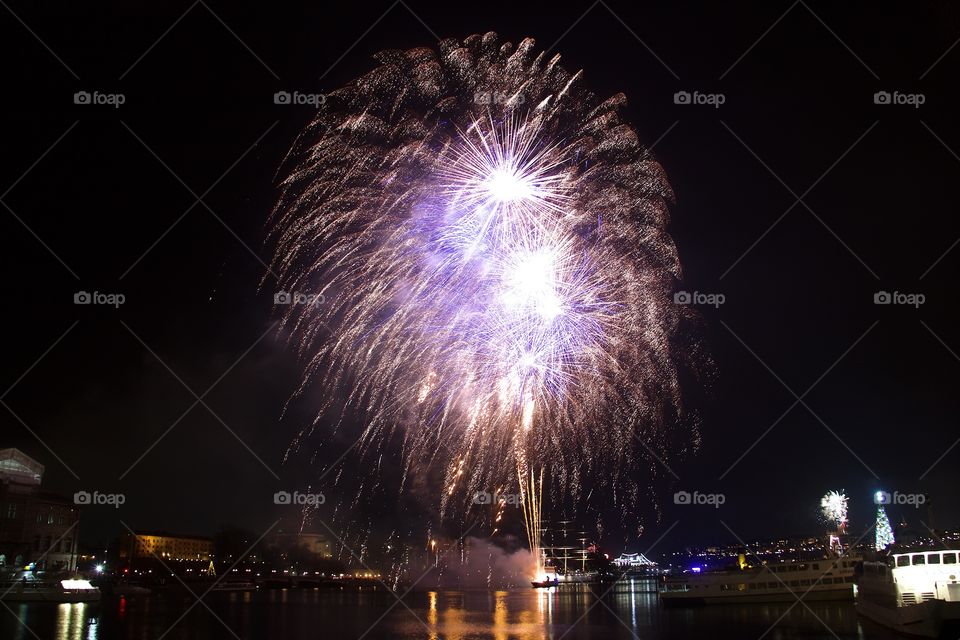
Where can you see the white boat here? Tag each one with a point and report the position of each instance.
(234, 585)
(916, 593)
(827, 579)
(71, 590)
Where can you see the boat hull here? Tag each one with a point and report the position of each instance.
(44, 595)
(931, 619)
(683, 600)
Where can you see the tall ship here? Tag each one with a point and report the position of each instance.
(827, 579)
(569, 558)
(916, 592)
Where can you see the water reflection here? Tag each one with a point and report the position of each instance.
(629, 610)
(71, 621)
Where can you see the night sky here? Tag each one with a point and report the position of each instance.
(106, 199)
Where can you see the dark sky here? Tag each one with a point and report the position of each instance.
(105, 199)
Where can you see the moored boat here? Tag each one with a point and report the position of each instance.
(69, 590)
(808, 580)
(914, 592)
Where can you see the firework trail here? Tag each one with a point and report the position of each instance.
(489, 241)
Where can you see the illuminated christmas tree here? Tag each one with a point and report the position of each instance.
(884, 532)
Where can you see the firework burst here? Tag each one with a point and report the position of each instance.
(834, 508)
(489, 241)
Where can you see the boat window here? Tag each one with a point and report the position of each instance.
(848, 579)
(933, 558)
(773, 585)
(903, 561)
(794, 583)
(741, 587)
(794, 567)
(918, 559)
(803, 567)
(805, 583)
(949, 558)
(816, 565)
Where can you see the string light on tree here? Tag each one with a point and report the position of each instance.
(884, 532)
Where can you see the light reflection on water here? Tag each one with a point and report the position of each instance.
(629, 610)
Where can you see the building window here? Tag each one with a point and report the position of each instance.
(12, 510)
(50, 518)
